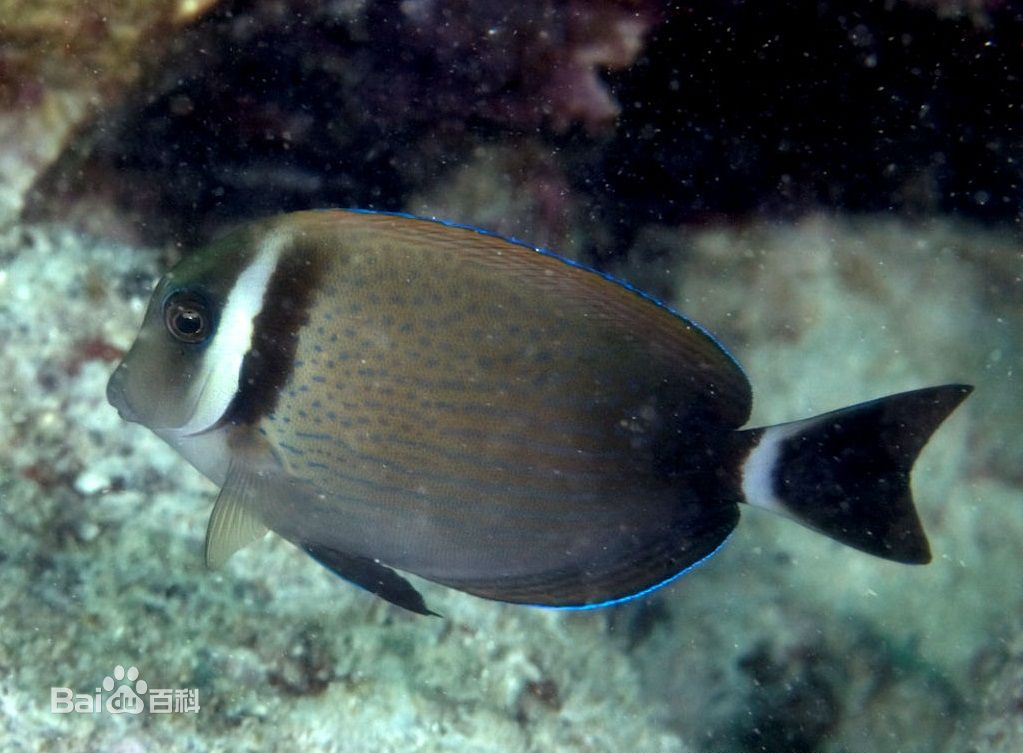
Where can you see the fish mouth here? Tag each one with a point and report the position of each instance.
(155, 414)
(117, 398)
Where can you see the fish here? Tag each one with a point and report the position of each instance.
(398, 395)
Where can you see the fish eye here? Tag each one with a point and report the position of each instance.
(187, 317)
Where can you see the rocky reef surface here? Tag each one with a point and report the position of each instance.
(63, 65)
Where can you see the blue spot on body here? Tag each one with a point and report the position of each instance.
(315, 436)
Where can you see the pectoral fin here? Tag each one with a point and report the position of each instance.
(233, 524)
(371, 576)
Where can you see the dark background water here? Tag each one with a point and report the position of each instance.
(731, 109)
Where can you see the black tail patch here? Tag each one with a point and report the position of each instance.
(846, 473)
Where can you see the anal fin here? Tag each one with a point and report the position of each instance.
(371, 576)
(233, 524)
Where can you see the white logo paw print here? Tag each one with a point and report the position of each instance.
(127, 698)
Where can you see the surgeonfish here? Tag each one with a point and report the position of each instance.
(400, 394)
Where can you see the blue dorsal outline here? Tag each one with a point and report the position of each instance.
(639, 594)
(564, 260)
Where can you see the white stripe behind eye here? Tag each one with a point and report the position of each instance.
(215, 388)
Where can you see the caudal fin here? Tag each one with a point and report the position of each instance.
(846, 473)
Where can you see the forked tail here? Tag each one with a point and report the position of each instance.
(846, 473)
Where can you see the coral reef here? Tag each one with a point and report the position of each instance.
(536, 62)
(272, 106)
(1000, 729)
(61, 64)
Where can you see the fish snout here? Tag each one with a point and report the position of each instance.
(116, 395)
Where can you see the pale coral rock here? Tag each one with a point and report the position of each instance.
(62, 63)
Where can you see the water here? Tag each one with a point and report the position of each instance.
(839, 205)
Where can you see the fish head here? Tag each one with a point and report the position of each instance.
(181, 372)
(158, 382)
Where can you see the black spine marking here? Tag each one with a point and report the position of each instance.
(270, 360)
(846, 473)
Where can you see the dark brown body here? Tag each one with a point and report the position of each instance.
(390, 392)
(480, 414)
